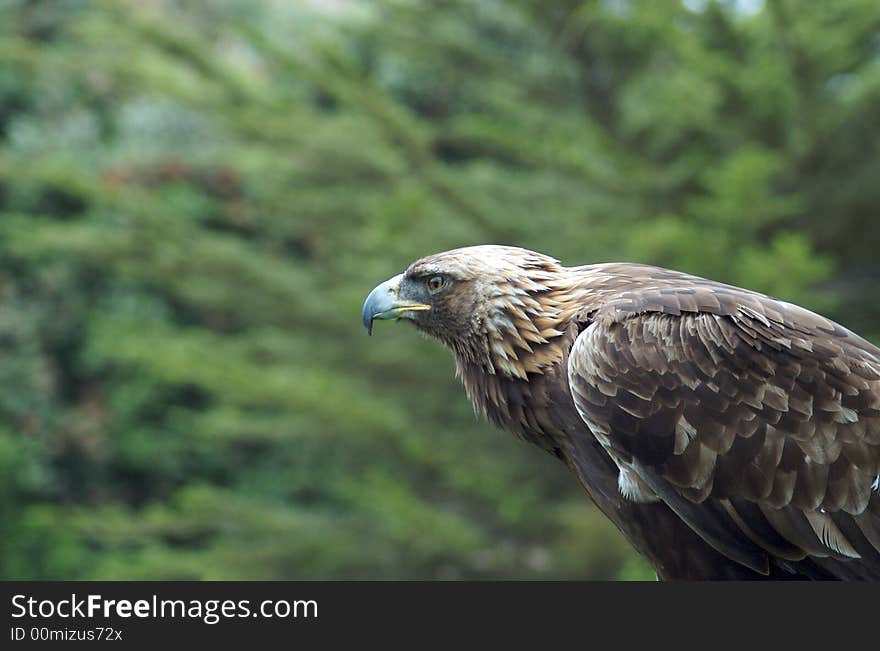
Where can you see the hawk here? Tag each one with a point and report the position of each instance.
(727, 434)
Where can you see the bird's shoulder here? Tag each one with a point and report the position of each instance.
(644, 294)
(756, 420)
(724, 390)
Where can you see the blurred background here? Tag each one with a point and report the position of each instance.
(195, 198)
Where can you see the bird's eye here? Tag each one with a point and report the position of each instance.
(435, 284)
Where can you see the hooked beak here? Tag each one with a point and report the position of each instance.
(384, 303)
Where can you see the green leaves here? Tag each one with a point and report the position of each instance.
(195, 200)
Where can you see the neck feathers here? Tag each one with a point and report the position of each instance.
(523, 342)
(521, 333)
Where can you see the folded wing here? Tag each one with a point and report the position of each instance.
(756, 421)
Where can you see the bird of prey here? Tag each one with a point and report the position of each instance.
(727, 434)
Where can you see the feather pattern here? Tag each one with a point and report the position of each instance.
(786, 401)
(727, 434)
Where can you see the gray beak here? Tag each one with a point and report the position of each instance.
(384, 303)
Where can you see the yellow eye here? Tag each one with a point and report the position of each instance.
(435, 284)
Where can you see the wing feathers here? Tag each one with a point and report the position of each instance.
(794, 526)
(752, 413)
(870, 528)
(753, 523)
(829, 534)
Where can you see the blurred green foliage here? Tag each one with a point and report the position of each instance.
(196, 197)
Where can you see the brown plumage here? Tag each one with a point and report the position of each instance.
(727, 434)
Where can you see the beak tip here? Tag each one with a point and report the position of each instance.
(381, 303)
(367, 320)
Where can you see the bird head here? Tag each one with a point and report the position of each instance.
(494, 306)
